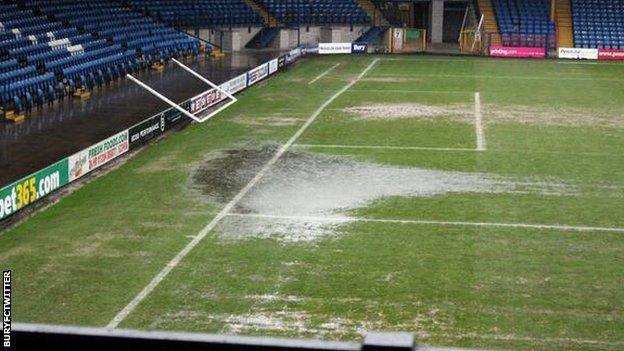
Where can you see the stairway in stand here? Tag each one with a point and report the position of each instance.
(489, 21)
(563, 20)
(269, 19)
(373, 12)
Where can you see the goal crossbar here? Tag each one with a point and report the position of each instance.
(178, 107)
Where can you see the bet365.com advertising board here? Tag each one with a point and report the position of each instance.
(36, 186)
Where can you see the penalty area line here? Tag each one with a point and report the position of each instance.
(565, 228)
(323, 74)
(132, 305)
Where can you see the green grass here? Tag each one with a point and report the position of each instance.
(82, 260)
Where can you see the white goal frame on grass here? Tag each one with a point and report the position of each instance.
(203, 119)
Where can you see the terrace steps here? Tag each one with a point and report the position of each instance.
(490, 23)
(269, 19)
(563, 20)
(373, 12)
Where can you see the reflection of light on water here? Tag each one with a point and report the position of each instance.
(303, 184)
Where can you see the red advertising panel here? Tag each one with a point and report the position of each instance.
(611, 55)
(206, 100)
(519, 51)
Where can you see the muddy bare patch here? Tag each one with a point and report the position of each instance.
(392, 79)
(269, 121)
(160, 225)
(304, 185)
(277, 321)
(492, 114)
(271, 298)
(457, 113)
(551, 116)
(99, 244)
(17, 251)
(166, 162)
(267, 321)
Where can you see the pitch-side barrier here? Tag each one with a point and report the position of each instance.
(29, 190)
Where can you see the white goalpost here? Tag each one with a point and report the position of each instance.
(197, 118)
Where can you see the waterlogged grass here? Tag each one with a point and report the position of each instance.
(82, 260)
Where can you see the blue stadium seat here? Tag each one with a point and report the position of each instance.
(598, 23)
(317, 11)
(199, 13)
(44, 43)
(525, 23)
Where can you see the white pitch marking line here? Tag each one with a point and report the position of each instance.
(410, 91)
(228, 207)
(576, 63)
(382, 147)
(324, 73)
(569, 228)
(550, 78)
(481, 143)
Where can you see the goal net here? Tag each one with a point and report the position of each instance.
(473, 38)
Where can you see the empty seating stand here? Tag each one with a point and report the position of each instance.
(47, 46)
(598, 23)
(22, 32)
(317, 11)
(199, 13)
(231, 13)
(525, 23)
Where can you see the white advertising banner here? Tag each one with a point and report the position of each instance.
(235, 85)
(578, 53)
(272, 66)
(257, 74)
(334, 48)
(98, 155)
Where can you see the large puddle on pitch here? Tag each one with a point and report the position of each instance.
(303, 184)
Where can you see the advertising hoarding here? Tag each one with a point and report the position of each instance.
(517, 52)
(359, 48)
(610, 55)
(147, 130)
(257, 74)
(98, 155)
(293, 55)
(205, 100)
(578, 53)
(235, 85)
(334, 48)
(26, 191)
(272, 66)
